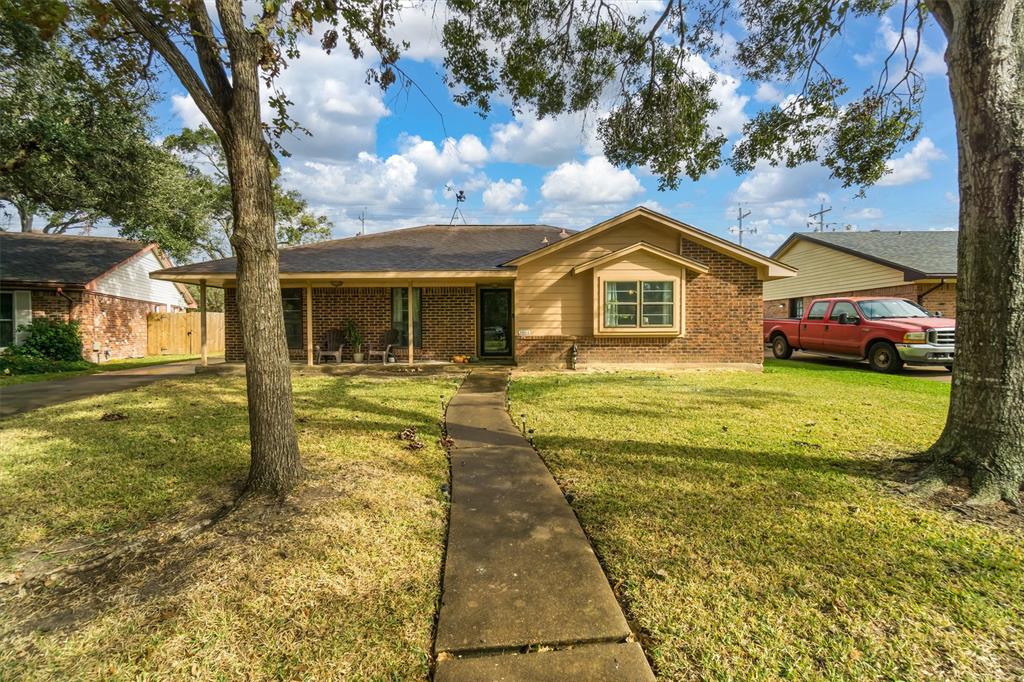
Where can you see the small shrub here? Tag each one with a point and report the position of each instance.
(12, 363)
(50, 339)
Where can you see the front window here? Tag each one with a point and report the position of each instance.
(6, 319)
(400, 316)
(291, 301)
(883, 309)
(639, 304)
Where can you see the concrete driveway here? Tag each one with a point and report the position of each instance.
(31, 396)
(927, 373)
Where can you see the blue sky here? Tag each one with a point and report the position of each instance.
(390, 156)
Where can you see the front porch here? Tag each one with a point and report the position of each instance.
(444, 320)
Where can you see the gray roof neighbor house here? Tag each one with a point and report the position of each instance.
(918, 253)
(67, 260)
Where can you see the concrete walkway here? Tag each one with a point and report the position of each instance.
(520, 574)
(24, 397)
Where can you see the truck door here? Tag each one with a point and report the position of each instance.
(812, 327)
(842, 338)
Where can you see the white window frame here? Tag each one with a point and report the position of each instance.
(675, 328)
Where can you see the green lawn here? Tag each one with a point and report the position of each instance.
(114, 365)
(339, 582)
(748, 525)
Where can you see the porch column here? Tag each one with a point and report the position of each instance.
(410, 328)
(309, 325)
(202, 321)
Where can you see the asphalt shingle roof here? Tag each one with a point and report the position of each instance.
(428, 247)
(60, 259)
(927, 253)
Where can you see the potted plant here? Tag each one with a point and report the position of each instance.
(355, 339)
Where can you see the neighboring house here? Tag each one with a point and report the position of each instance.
(919, 266)
(102, 282)
(638, 288)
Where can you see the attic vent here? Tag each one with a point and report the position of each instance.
(545, 240)
(563, 234)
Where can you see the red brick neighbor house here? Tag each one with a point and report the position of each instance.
(102, 282)
(640, 288)
(915, 265)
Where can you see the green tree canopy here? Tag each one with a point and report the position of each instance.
(75, 146)
(201, 150)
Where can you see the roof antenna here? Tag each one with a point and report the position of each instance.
(362, 222)
(460, 197)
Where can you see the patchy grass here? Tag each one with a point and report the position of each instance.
(748, 525)
(112, 366)
(339, 581)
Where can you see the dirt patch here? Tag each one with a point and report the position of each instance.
(953, 499)
(159, 560)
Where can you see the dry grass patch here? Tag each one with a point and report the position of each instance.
(339, 581)
(750, 524)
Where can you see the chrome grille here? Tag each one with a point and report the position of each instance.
(942, 337)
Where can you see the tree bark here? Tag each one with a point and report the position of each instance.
(984, 434)
(275, 466)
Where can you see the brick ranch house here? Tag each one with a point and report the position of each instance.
(102, 282)
(919, 266)
(640, 288)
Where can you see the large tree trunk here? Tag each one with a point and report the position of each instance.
(984, 434)
(275, 465)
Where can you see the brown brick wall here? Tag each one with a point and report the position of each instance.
(941, 299)
(116, 325)
(723, 324)
(448, 317)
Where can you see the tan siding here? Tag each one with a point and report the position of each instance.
(636, 267)
(552, 301)
(824, 270)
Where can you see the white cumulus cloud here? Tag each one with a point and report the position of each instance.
(913, 165)
(594, 182)
(505, 196)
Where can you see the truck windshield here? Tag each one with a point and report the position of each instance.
(891, 307)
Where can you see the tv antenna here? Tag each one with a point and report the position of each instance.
(460, 197)
(362, 221)
(739, 229)
(820, 215)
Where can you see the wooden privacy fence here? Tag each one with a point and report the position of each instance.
(179, 333)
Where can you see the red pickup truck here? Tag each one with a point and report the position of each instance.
(888, 332)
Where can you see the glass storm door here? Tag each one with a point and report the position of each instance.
(495, 322)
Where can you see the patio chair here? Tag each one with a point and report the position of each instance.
(332, 347)
(383, 349)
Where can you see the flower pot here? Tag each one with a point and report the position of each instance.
(357, 357)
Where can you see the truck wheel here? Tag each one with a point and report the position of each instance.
(781, 348)
(883, 357)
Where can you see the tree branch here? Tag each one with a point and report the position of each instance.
(208, 52)
(135, 16)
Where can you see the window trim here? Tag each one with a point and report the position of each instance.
(637, 279)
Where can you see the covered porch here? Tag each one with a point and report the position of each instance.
(427, 318)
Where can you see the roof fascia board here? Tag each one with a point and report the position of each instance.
(687, 263)
(767, 267)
